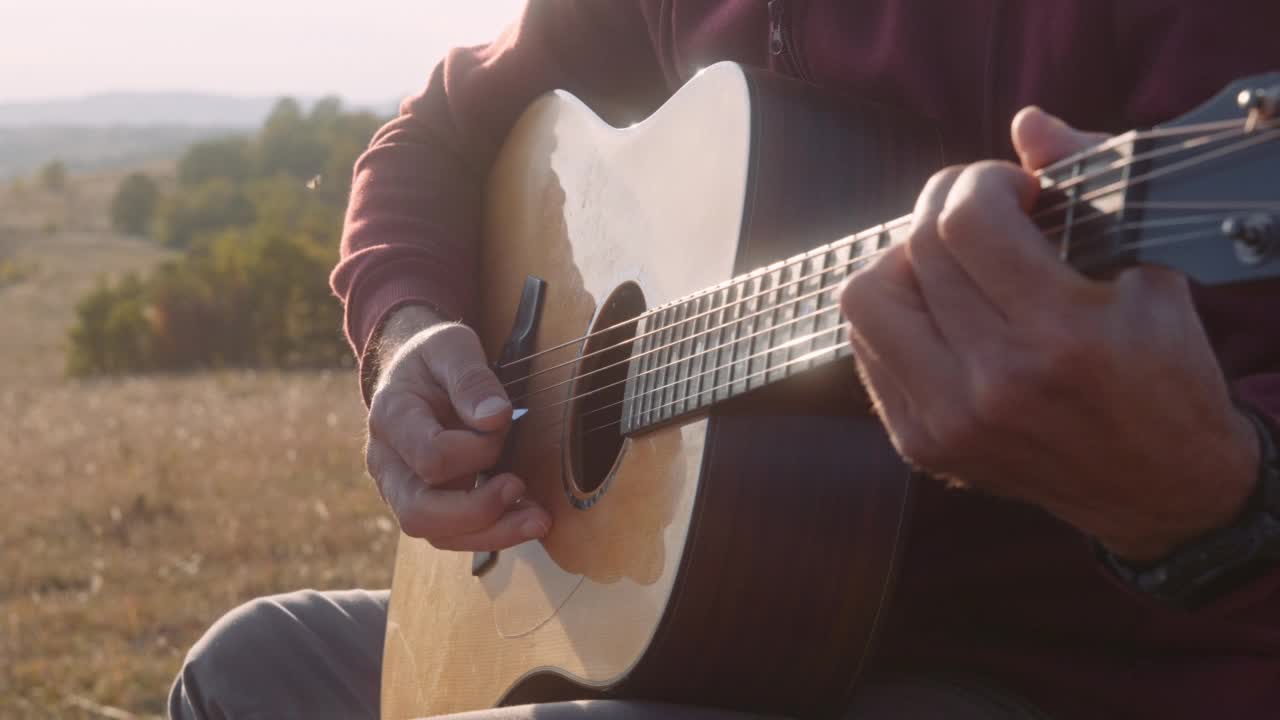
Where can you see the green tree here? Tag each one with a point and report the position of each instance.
(227, 157)
(194, 213)
(288, 144)
(251, 287)
(53, 176)
(134, 206)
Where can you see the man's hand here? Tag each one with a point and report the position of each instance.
(438, 417)
(996, 365)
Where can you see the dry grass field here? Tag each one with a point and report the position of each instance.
(134, 511)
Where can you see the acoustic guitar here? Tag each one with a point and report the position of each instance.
(728, 516)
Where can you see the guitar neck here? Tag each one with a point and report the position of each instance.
(750, 331)
(1100, 209)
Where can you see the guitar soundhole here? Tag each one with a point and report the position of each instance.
(596, 414)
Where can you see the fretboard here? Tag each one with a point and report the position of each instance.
(753, 330)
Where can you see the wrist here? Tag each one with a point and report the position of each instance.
(1215, 497)
(1225, 557)
(401, 325)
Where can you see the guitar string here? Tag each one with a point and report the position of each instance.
(1168, 240)
(1134, 136)
(1252, 139)
(1131, 136)
(1123, 162)
(789, 303)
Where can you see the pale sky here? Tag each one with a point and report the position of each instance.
(363, 50)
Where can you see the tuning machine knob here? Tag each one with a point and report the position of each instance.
(1261, 104)
(1256, 236)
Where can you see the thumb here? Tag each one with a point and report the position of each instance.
(1042, 139)
(457, 361)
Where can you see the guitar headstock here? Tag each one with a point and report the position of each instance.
(1200, 194)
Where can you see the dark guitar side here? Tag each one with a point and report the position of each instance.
(798, 524)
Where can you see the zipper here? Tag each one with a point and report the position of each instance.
(782, 41)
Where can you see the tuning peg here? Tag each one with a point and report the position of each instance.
(1260, 103)
(1255, 236)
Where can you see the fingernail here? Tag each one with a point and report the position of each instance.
(512, 491)
(533, 528)
(491, 406)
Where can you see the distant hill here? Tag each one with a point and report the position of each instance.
(24, 149)
(116, 130)
(150, 109)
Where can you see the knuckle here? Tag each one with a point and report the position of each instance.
(961, 219)
(943, 179)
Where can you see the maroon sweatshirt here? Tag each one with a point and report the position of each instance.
(988, 587)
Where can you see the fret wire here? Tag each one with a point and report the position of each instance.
(760, 322)
(704, 396)
(678, 370)
(735, 330)
(699, 331)
(786, 307)
(698, 342)
(669, 350)
(720, 334)
(779, 309)
(683, 391)
(714, 300)
(643, 376)
(639, 382)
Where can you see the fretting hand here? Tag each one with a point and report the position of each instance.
(438, 417)
(996, 365)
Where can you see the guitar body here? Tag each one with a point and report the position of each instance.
(741, 558)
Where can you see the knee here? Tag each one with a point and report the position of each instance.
(227, 659)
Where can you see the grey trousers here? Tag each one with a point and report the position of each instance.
(318, 655)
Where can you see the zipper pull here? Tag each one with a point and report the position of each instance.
(776, 43)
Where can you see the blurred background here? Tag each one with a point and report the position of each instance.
(180, 427)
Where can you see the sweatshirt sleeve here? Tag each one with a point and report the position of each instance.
(412, 223)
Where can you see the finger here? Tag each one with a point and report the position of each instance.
(519, 525)
(959, 309)
(890, 322)
(887, 398)
(436, 454)
(1042, 139)
(437, 514)
(458, 363)
(985, 226)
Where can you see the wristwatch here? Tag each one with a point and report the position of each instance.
(1204, 568)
